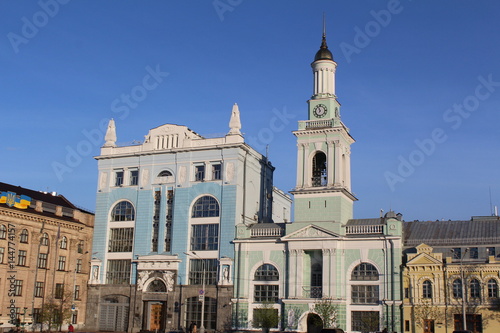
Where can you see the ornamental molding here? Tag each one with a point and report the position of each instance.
(311, 232)
(38, 219)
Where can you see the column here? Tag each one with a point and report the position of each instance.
(330, 163)
(300, 165)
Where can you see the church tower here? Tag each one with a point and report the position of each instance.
(323, 189)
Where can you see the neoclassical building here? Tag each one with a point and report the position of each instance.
(324, 254)
(166, 212)
(45, 244)
(452, 268)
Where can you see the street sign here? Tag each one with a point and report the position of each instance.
(202, 291)
(201, 297)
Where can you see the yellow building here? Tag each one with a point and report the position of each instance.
(44, 257)
(433, 275)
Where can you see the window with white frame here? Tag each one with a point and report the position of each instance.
(23, 237)
(134, 177)
(2, 253)
(123, 211)
(205, 206)
(475, 288)
(204, 237)
(3, 231)
(45, 239)
(42, 260)
(21, 258)
(365, 294)
(457, 288)
(121, 239)
(118, 271)
(216, 171)
(64, 243)
(492, 288)
(39, 289)
(118, 177)
(427, 289)
(61, 266)
(199, 172)
(266, 287)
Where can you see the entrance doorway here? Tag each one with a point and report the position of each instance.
(428, 326)
(314, 323)
(155, 317)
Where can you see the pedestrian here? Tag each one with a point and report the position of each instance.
(190, 330)
(71, 329)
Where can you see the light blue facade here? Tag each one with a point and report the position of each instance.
(182, 196)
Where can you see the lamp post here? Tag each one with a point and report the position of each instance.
(462, 280)
(202, 291)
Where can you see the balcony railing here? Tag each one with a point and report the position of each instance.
(364, 229)
(312, 292)
(267, 232)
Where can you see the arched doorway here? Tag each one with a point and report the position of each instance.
(314, 323)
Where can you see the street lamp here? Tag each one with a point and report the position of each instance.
(202, 291)
(462, 280)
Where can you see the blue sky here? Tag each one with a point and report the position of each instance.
(419, 84)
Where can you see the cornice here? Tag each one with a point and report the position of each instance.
(39, 219)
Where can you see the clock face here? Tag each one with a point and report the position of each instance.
(320, 110)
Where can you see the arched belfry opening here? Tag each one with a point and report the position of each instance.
(319, 175)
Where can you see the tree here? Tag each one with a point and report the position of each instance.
(327, 311)
(266, 317)
(427, 311)
(56, 311)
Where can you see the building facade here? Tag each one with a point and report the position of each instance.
(44, 258)
(166, 216)
(324, 255)
(452, 272)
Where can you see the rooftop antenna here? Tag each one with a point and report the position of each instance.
(324, 25)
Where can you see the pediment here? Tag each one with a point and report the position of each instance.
(310, 232)
(424, 259)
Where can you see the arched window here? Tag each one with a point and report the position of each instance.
(165, 173)
(267, 272)
(23, 238)
(45, 239)
(427, 289)
(319, 176)
(475, 289)
(206, 206)
(457, 288)
(3, 232)
(123, 211)
(156, 286)
(64, 243)
(492, 288)
(364, 272)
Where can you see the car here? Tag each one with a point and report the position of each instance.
(332, 330)
(462, 331)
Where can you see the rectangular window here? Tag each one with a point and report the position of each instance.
(363, 294)
(121, 240)
(37, 315)
(61, 266)
(21, 258)
(78, 268)
(119, 178)
(59, 291)
(266, 293)
(407, 292)
(134, 177)
(2, 253)
(80, 247)
(74, 317)
(490, 251)
(407, 325)
(198, 267)
(199, 172)
(474, 253)
(77, 292)
(204, 237)
(42, 260)
(18, 287)
(457, 253)
(216, 171)
(118, 271)
(39, 289)
(365, 321)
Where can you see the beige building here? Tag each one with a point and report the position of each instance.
(439, 256)
(44, 257)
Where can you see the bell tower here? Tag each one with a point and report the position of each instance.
(323, 188)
